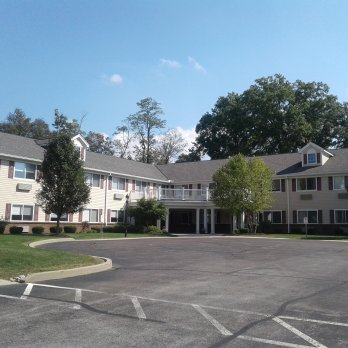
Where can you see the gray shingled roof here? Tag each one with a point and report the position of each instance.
(123, 166)
(283, 164)
(21, 147)
(14, 145)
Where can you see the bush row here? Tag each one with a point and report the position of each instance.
(37, 230)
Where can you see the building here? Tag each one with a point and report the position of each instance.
(308, 186)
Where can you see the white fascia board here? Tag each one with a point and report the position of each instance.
(8, 156)
(80, 137)
(310, 144)
(125, 175)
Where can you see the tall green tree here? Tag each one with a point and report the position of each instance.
(193, 155)
(63, 187)
(243, 185)
(272, 116)
(144, 124)
(62, 125)
(99, 143)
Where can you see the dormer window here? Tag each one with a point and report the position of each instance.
(312, 158)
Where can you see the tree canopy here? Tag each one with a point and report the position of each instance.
(273, 116)
(148, 211)
(243, 185)
(63, 188)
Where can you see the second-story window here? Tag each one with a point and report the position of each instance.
(276, 185)
(24, 170)
(93, 180)
(118, 183)
(306, 184)
(140, 186)
(340, 182)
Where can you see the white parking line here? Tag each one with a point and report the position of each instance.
(298, 333)
(335, 323)
(138, 309)
(78, 298)
(272, 342)
(27, 291)
(64, 287)
(213, 321)
(10, 297)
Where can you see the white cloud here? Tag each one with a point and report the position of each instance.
(116, 79)
(195, 65)
(189, 136)
(173, 64)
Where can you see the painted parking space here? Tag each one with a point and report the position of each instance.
(214, 325)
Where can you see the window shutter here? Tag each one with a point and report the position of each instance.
(330, 183)
(332, 216)
(199, 186)
(293, 185)
(305, 158)
(102, 178)
(8, 212)
(319, 184)
(10, 169)
(71, 217)
(320, 216)
(190, 186)
(318, 158)
(47, 217)
(154, 185)
(294, 216)
(133, 185)
(80, 215)
(283, 185)
(126, 185)
(283, 217)
(108, 215)
(110, 183)
(36, 212)
(100, 214)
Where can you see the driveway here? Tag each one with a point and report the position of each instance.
(188, 292)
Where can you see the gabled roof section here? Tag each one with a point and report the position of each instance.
(81, 140)
(315, 146)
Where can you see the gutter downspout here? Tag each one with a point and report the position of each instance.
(106, 190)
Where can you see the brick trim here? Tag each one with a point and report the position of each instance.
(10, 169)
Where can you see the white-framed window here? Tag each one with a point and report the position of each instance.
(341, 216)
(140, 186)
(118, 183)
(117, 216)
(64, 217)
(273, 216)
(90, 215)
(312, 158)
(24, 170)
(311, 215)
(306, 184)
(22, 212)
(276, 185)
(340, 182)
(93, 180)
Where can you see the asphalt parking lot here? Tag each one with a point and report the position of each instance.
(188, 292)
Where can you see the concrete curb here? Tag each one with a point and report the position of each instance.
(67, 273)
(5, 282)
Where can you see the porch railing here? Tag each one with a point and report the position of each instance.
(172, 194)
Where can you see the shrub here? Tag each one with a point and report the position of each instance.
(56, 230)
(3, 224)
(16, 230)
(70, 229)
(108, 229)
(153, 230)
(243, 230)
(95, 229)
(85, 226)
(119, 228)
(135, 229)
(37, 230)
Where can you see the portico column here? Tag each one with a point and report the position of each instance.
(212, 219)
(158, 223)
(197, 220)
(234, 222)
(205, 220)
(242, 220)
(167, 221)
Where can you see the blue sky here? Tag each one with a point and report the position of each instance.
(98, 58)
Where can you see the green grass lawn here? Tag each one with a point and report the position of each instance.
(16, 257)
